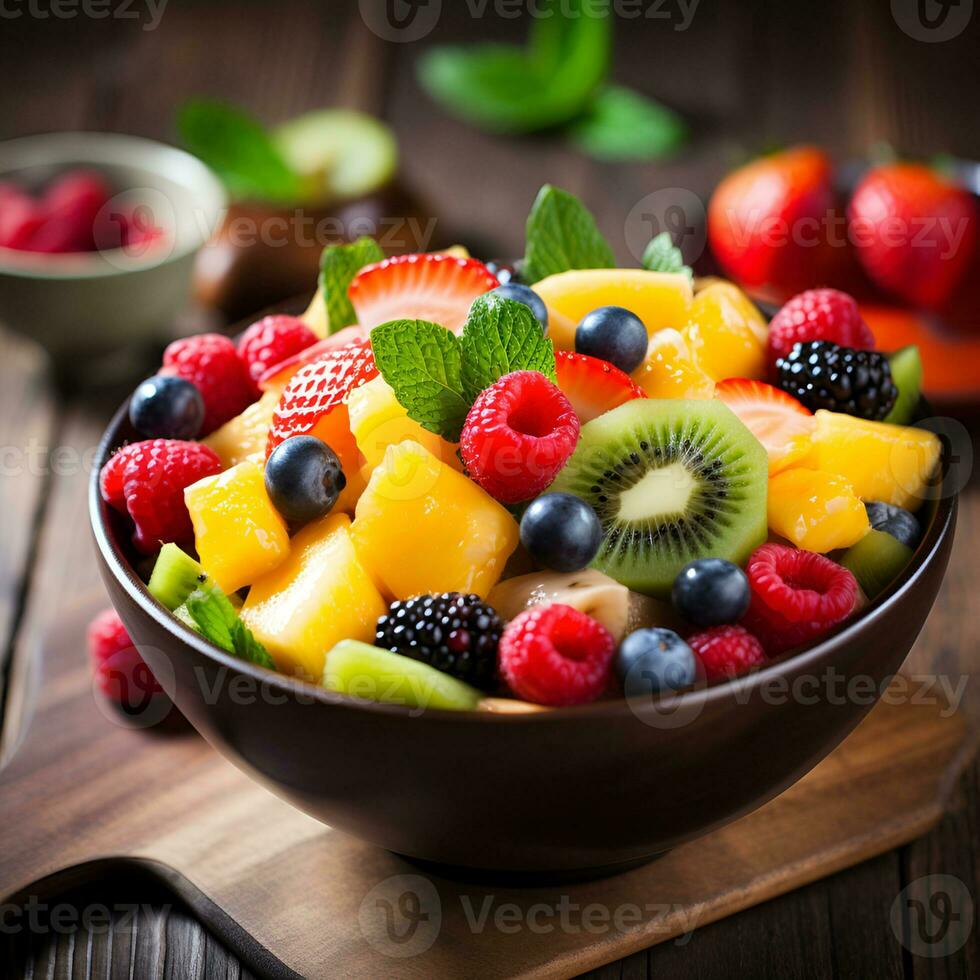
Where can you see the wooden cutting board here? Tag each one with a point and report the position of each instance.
(294, 897)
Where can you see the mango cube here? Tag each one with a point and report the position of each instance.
(244, 436)
(319, 596)
(816, 511)
(422, 527)
(727, 333)
(238, 533)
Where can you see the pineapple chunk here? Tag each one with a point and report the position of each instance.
(245, 435)
(238, 533)
(319, 596)
(422, 527)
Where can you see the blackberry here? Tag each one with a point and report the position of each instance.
(454, 633)
(824, 375)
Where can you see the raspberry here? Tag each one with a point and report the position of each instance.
(455, 633)
(211, 362)
(517, 436)
(119, 670)
(796, 596)
(269, 342)
(315, 390)
(726, 651)
(817, 314)
(147, 479)
(556, 655)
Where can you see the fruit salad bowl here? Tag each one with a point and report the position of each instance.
(524, 572)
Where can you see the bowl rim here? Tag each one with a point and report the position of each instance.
(95, 148)
(935, 537)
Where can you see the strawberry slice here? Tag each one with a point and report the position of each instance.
(776, 419)
(313, 403)
(592, 385)
(278, 374)
(426, 286)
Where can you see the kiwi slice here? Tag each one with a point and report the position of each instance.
(364, 671)
(906, 367)
(671, 480)
(175, 576)
(876, 561)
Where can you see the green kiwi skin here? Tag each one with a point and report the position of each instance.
(876, 561)
(175, 576)
(906, 367)
(740, 522)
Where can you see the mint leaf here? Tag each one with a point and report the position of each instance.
(239, 150)
(421, 362)
(500, 336)
(218, 622)
(623, 125)
(338, 266)
(662, 255)
(562, 235)
(508, 89)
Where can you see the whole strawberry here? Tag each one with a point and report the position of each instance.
(146, 480)
(817, 314)
(766, 221)
(914, 232)
(211, 362)
(269, 342)
(117, 667)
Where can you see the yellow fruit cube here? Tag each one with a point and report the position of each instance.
(245, 435)
(238, 533)
(659, 299)
(422, 527)
(817, 511)
(726, 333)
(315, 316)
(890, 463)
(378, 420)
(319, 596)
(669, 371)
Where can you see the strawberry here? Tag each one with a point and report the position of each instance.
(313, 403)
(280, 373)
(423, 286)
(592, 385)
(767, 221)
(776, 419)
(914, 232)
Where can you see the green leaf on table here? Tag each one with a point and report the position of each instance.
(339, 264)
(239, 150)
(504, 88)
(623, 125)
(501, 336)
(662, 255)
(218, 622)
(562, 235)
(421, 361)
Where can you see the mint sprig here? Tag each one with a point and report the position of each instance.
(501, 336)
(339, 264)
(239, 150)
(218, 622)
(662, 255)
(422, 361)
(562, 235)
(436, 376)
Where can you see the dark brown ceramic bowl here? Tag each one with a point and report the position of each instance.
(572, 791)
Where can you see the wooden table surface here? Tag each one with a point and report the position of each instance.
(746, 77)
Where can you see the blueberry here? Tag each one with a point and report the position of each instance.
(303, 478)
(561, 532)
(615, 335)
(165, 407)
(711, 592)
(652, 660)
(522, 294)
(899, 523)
